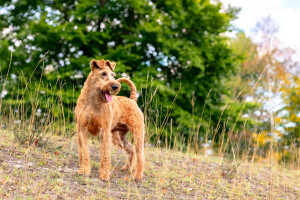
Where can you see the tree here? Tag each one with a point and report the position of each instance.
(175, 42)
(268, 78)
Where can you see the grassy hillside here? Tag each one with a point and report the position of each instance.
(49, 171)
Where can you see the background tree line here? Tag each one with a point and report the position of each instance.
(176, 49)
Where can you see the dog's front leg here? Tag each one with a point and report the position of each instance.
(105, 162)
(83, 150)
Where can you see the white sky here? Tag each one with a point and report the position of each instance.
(285, 13)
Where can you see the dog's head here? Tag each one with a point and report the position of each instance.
(103, 83)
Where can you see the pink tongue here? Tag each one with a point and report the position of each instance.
(108, 96)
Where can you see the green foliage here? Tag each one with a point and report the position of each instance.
(175, 42)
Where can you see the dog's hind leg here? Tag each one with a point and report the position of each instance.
(138, 136)
(116, 139)
(119, 139)
(129, 150)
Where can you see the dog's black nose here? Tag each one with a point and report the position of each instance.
(114, 87)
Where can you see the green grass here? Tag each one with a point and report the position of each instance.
(50, 172)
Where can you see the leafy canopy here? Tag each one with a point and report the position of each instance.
(175, 42)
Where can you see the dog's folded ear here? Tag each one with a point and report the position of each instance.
(111, 65)
(97, 64)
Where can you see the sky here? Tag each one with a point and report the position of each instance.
(285, 13)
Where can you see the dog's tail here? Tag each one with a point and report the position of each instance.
(132, 87)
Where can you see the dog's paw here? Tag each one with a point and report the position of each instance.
(84, 171)
(138, 178)
(104, 176)
(125, 167)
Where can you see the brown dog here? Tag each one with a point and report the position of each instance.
(98, 112)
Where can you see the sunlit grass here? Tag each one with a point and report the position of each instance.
(51, 172)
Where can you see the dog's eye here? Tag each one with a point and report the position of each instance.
(103, 74)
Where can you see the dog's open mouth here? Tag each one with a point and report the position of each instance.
(107, 95)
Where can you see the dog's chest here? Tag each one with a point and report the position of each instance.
(94, 125)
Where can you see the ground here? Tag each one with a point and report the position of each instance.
(49, 171)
